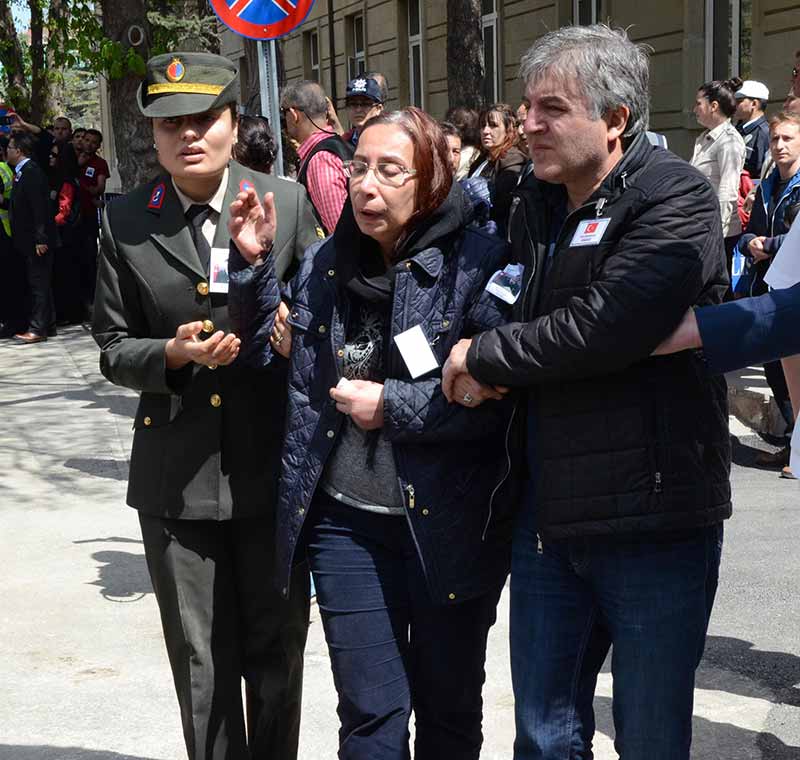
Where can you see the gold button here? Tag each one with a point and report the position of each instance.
(451, 596)
(213, 366)
(202, 288)
(425, 511)
(208, 326)
(147, 422)
(340, 352)
(330, 434)
(323, 329)
(216, 400)
(331, 272)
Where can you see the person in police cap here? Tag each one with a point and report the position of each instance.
(208, 433)
(364, 99)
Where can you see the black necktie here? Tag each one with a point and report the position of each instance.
(197, 215)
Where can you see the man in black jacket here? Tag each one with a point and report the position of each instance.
(33, 234)
(620, 544)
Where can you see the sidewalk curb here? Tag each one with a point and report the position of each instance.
(750, 400)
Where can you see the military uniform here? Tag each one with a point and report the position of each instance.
(204, 465)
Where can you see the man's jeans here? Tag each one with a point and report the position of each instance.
(571, 600)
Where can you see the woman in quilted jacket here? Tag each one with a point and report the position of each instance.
(401, 502)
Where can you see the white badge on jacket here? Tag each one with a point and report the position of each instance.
(416, 352)
(218, 270)
(589, 232)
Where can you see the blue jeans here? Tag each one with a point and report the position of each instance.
(573, 599)
(392, 650)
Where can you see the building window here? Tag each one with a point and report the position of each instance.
(415, 77)
(741, 38)
(585, 12)
(357, 61)
(491, 84)
(311, 55)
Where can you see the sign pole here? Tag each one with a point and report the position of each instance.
(270, 103)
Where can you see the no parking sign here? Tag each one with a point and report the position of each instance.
(262, 19)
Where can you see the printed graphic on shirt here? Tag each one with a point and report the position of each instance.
(90, 171)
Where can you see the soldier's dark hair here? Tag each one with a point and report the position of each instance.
(255, 146)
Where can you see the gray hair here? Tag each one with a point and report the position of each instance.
(383, 83)
(608, 69)
(307, 96)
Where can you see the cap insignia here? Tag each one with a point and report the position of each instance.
(176, 70)
(360, 85)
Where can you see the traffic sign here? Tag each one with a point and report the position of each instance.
(262, 19)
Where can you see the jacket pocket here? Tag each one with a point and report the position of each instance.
(306, 325)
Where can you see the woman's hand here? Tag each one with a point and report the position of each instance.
(756, 249)
(252, 225)
(185, 347)
(362, 400)
(281, 337)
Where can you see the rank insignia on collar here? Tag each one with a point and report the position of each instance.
(246, 185)
(176, 70)
(157, 198)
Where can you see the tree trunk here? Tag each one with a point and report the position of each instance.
(56, 43)
(12, 62)
(133, 135)
(465, 65)
(39, 81)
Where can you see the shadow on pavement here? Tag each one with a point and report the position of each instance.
(745, 455)
(123, 576)
(47, 752)
(777, 671)
(715, 740)
(121, 404)
(100, 468)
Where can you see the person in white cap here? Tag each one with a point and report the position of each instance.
(751, 122)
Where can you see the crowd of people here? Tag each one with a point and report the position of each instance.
(446, 352)
(53, 183)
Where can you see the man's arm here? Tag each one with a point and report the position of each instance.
(38, 195)
(327, 187)
(657, 271)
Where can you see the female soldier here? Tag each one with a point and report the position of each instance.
(205, 451)
(401, 500)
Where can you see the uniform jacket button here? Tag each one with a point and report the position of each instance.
(331, 272)
(216, 400)
(147, 421)
(208, 326)
(202, 288)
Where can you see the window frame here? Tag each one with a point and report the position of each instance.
(357, 62)
(490, 21)
(415, 41)
(576, 11)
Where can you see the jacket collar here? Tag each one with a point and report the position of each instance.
(170, 229)
(769, 183)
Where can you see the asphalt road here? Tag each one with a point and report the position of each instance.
(82, 666)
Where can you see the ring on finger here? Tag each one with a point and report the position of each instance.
(468, 398)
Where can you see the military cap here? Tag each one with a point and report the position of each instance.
(179, 84)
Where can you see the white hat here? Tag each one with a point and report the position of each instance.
(752, 89)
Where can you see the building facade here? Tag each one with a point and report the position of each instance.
(692, 41)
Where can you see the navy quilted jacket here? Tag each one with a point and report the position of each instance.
(451, 461)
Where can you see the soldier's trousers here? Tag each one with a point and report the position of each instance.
(224, 621)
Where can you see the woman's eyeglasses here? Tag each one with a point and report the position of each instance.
(386, 172)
